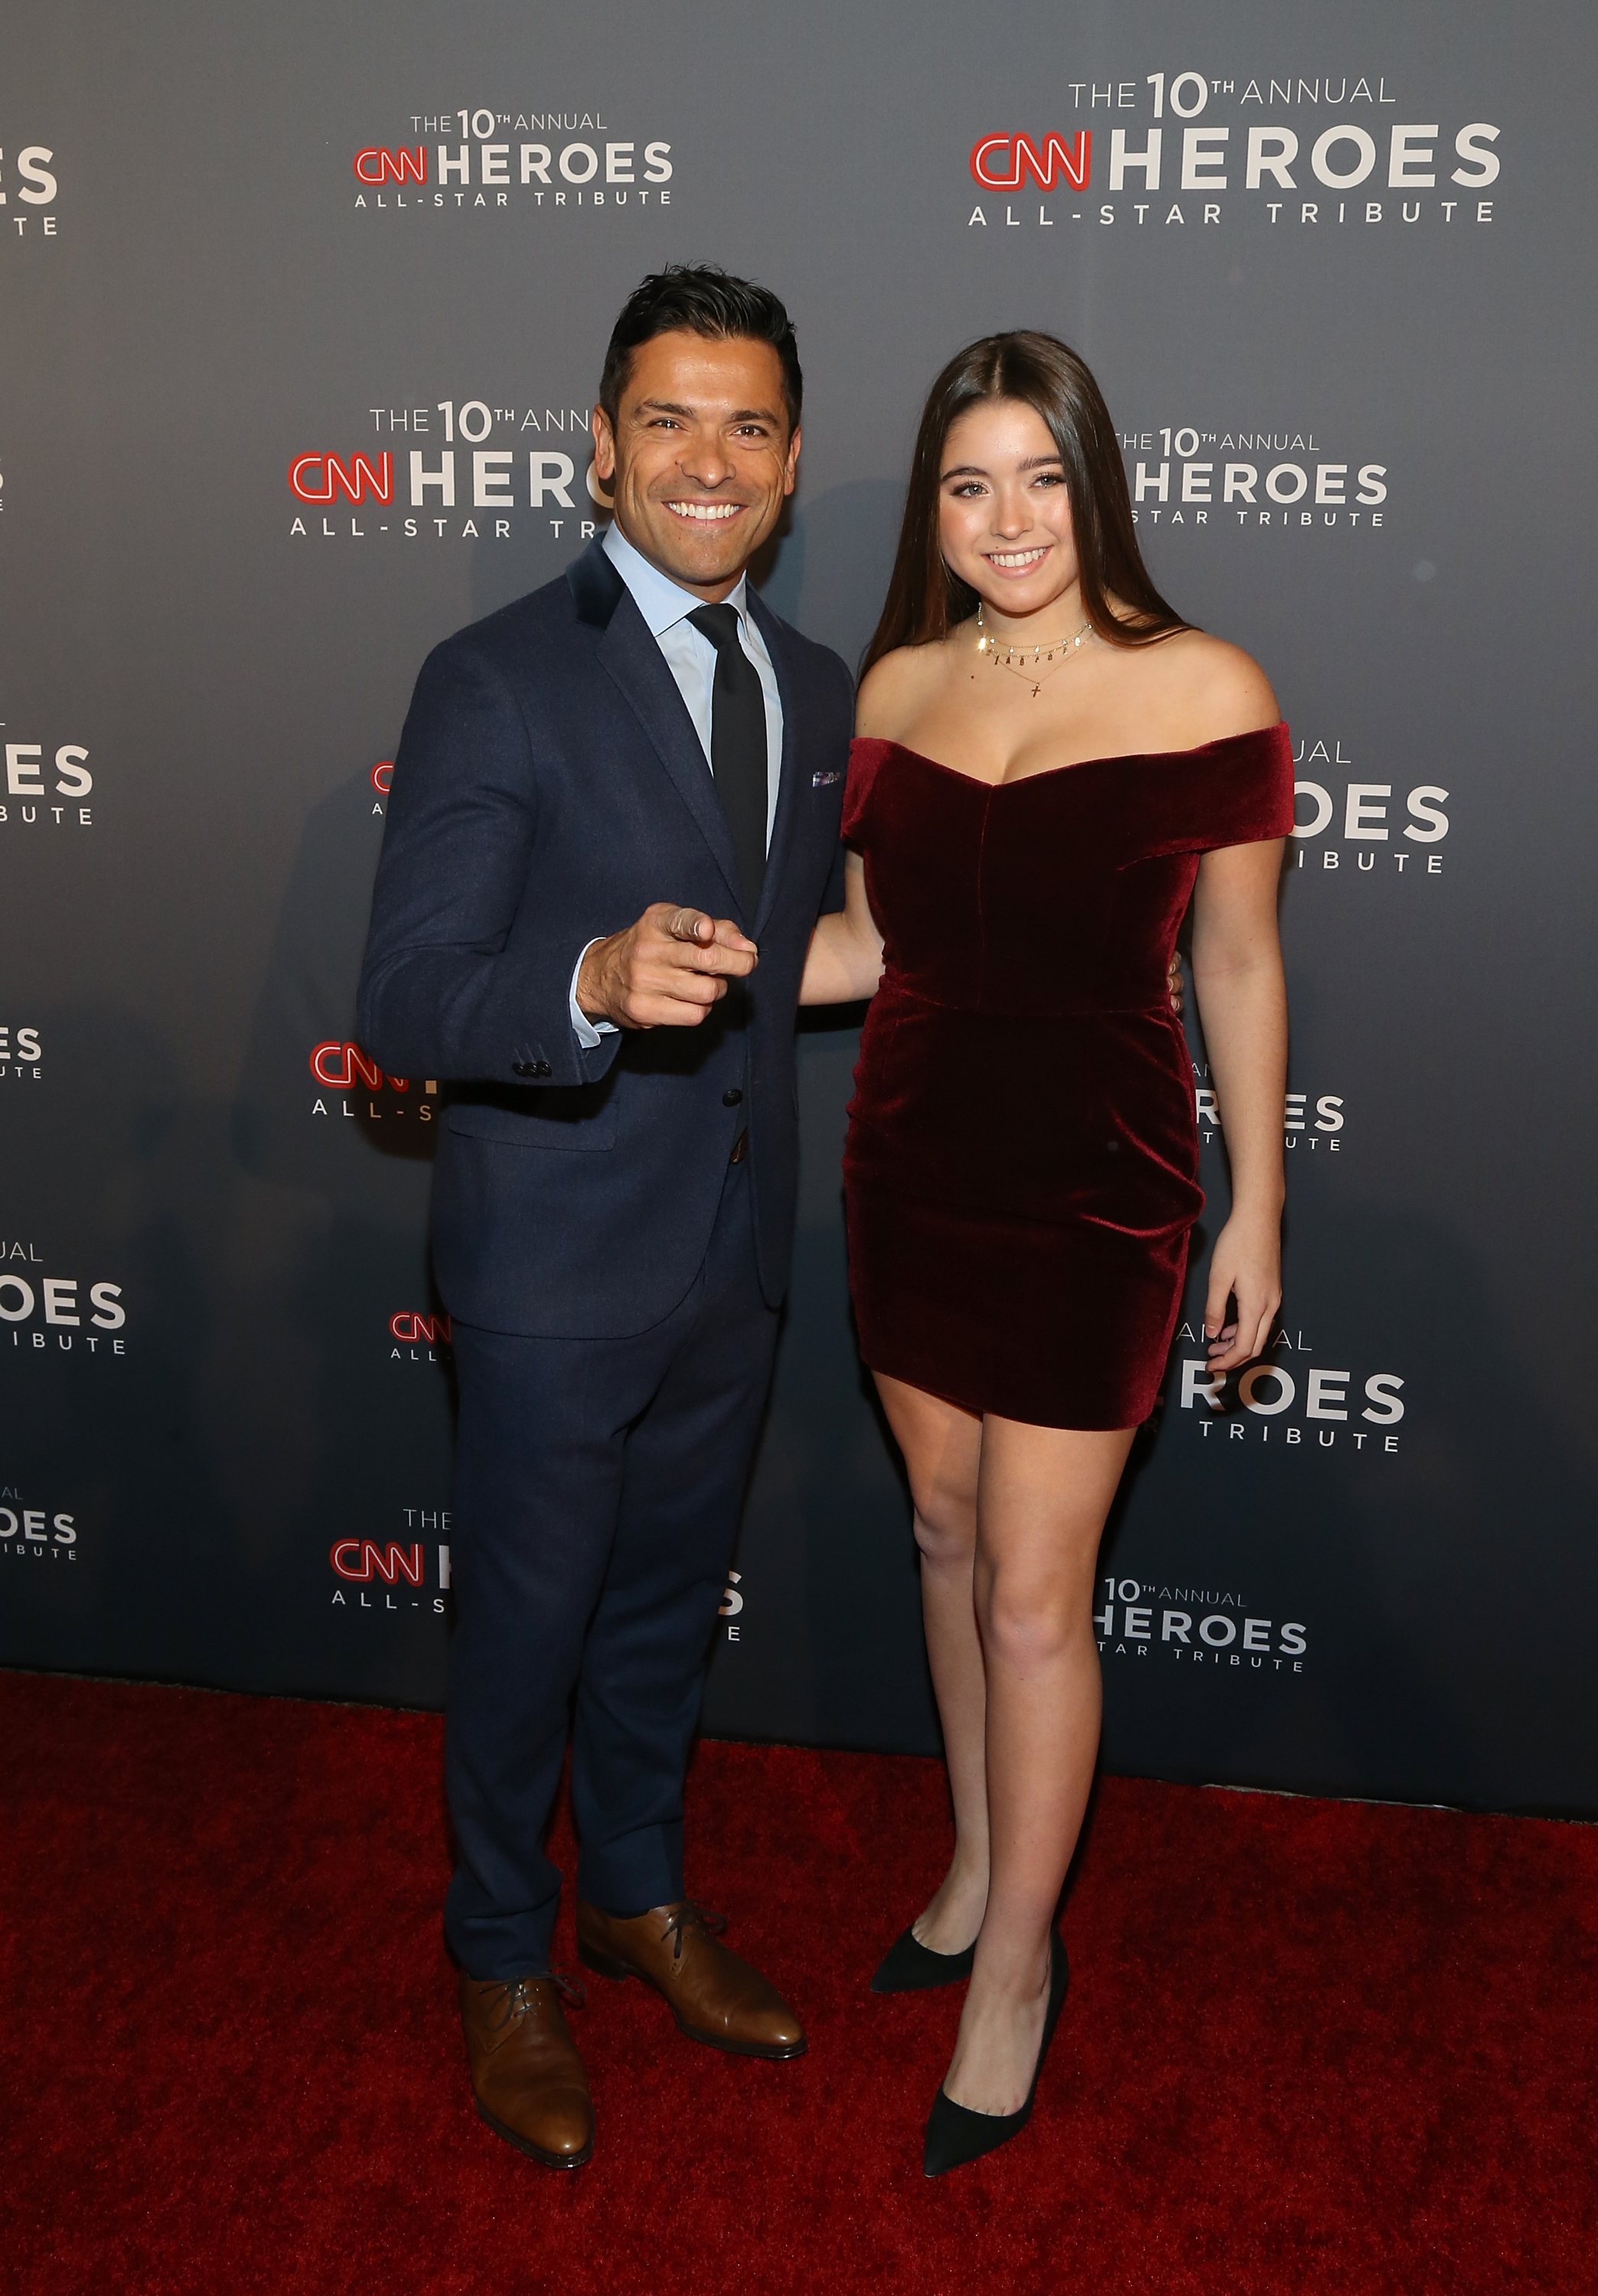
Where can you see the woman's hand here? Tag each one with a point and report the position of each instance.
(1246, 1267)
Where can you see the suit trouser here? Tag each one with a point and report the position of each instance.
(598, 1487)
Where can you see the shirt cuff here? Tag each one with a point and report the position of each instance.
(587, 1032)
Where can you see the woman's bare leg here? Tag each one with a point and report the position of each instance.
(942, 1448)
(1043, 1496)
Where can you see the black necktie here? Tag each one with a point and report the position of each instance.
(738, 747)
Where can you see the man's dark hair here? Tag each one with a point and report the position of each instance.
(701, 300)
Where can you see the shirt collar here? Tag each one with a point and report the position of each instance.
(661, 602)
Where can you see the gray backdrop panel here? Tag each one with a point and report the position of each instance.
(1371, 1574)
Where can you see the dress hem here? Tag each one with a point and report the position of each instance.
(1022, 1418)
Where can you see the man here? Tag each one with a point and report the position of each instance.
(613, 820)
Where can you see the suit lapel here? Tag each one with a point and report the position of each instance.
(788, 779)
(634, 662)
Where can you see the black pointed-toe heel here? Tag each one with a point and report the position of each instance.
(954, 2134)
(908, 1966)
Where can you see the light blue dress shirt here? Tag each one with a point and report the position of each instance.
(691, 658)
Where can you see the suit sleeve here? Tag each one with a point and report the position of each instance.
(457, 980)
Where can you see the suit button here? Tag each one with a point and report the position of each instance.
(522, 1068)
(731, 1099)
(542, 1068)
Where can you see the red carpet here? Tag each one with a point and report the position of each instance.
(1308, 2045)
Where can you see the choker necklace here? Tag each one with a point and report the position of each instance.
(1034, 663)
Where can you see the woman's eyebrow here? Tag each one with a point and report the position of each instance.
(975, 470)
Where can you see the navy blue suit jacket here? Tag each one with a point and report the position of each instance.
(548, 786)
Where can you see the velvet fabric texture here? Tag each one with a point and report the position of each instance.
(1022, 1166)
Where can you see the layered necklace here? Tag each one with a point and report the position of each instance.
(1034, 663)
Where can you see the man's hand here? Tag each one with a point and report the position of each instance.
(667, 970)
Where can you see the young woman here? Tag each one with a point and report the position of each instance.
(1050, 763)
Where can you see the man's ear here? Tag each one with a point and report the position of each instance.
(792, 469)
(604, 446)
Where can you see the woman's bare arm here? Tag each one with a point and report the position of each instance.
(1242, 1006)
(845, 959)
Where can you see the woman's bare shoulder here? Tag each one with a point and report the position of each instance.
(1214, 688)
(895, 688)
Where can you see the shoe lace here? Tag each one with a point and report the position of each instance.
(511, 1997)
(692, 1918)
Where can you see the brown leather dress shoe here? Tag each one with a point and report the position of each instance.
(526, 2074)
(715, 1996)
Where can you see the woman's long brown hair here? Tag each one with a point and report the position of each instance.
(924, 599)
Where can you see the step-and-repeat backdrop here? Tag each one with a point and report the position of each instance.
(303, 314)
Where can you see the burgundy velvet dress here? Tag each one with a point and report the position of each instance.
(1021, 1170)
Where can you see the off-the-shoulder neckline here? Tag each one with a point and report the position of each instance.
(1050, 773)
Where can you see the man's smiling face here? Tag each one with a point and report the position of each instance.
(700, 456)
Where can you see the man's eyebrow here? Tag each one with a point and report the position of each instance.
(691, 413)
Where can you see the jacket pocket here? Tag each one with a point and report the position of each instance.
(579, 1117)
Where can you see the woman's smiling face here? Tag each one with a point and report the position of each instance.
(1004, 515)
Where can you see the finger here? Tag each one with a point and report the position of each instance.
(707, 960)
(1246, 1341)
(691, 925)
(680, 984)
(1215, 1304)
(1255, 1308)
(658, 1012)
(729, 936)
